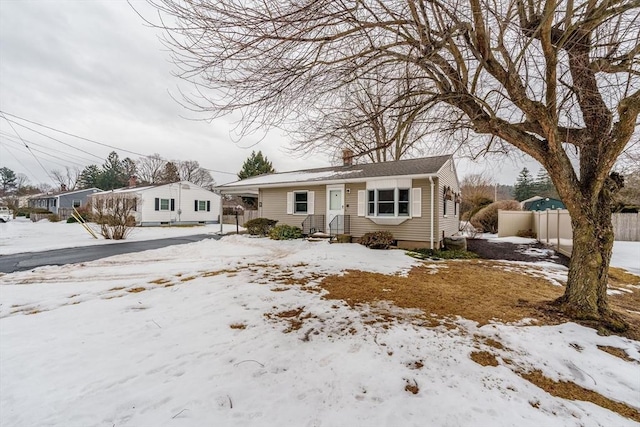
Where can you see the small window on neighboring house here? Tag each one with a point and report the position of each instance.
(202, 205)
(76, 203)
(164, 204)
(300, 202)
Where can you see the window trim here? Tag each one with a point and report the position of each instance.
(396, 203)
(202, 205)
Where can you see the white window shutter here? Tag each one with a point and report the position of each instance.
(311, 197)
(289, 203)
(362, 202)
(416, 202)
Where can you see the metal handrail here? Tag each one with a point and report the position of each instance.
(313, 224)
(340, 224)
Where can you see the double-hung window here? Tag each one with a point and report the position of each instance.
(300, 202)
(388, 202)
(164, 204)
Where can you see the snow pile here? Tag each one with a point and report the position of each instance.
(210, 338)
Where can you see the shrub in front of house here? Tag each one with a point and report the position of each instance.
(526, 233)
(260, 226)
(53, 217)
(285, 232)
(487, 217)
(377, 240)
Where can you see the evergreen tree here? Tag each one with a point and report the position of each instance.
(114, 174)
(256, 164)
(7, 180)
(524, 187)
(543, 186)
(89, 177)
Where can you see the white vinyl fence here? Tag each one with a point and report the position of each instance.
(553, 227)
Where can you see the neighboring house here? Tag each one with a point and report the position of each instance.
(55, 202)
(541, 204)
(168, 204)
(417, 200)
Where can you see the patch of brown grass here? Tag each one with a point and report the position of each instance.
(293, 318)
(476, 290)
(238, 326)
(617, 352)
(160, 281)
(484, 358)
(412, 388)
(188, 278)
(119, 288)
(572, 391)
(217, 272)
(619, 276)
(628, 304)
(136, 290)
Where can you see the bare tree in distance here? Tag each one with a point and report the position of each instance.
(149, 168)
(191, 171)
(67, 180)
(477, 191)
(553, 79)
(115, 214)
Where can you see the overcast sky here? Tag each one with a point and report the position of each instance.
(93, 69)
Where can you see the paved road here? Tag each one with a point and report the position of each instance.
(29, 260)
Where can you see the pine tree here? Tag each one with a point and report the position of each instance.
(89, 177)
(543, 186)
(7, 180)
(524, 187)
(256, 164)
(114, 174)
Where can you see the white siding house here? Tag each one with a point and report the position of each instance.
(170, 204)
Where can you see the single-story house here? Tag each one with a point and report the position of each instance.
(542, 204)
(55, 202)
(180, 202)
(417, 200)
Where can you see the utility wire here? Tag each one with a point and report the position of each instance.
(83, 160)
(25, 144)
(87, 139)
(51, 155)
(20, 163)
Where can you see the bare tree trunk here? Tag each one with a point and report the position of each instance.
(585, 296)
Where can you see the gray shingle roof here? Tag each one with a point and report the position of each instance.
(421, 166)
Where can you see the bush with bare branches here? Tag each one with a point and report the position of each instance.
(115, 214)
(487, 217)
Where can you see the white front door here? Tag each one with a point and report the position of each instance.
(335, 206)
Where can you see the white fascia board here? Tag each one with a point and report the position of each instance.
(230, 190)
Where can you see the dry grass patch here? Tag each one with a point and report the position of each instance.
(188, 278)
(217, 272)
(160, 281)
(484, 358)
(617, 352)
(136, 290)
(294, 318)
(572, 391)
(619, 277)
(477, 290)
(119, 288)
(238, 326)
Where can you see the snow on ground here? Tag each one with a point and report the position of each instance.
(626, 255)
(22, 235)
(199, 342)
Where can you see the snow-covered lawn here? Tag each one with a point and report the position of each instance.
(22, 235)
(229, 333)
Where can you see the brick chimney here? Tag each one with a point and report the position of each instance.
(63, 188)
(347, 157)
(133, 181)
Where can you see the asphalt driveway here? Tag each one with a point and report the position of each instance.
(28, 260)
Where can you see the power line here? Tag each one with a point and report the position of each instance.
(81, 162)
(87, 139)
(25, 144)
(51, 155)
(20, 163)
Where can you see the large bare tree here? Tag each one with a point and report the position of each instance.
(557, 79)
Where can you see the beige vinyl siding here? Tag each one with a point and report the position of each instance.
(414, 229)
(274, 204)
(450, 225)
